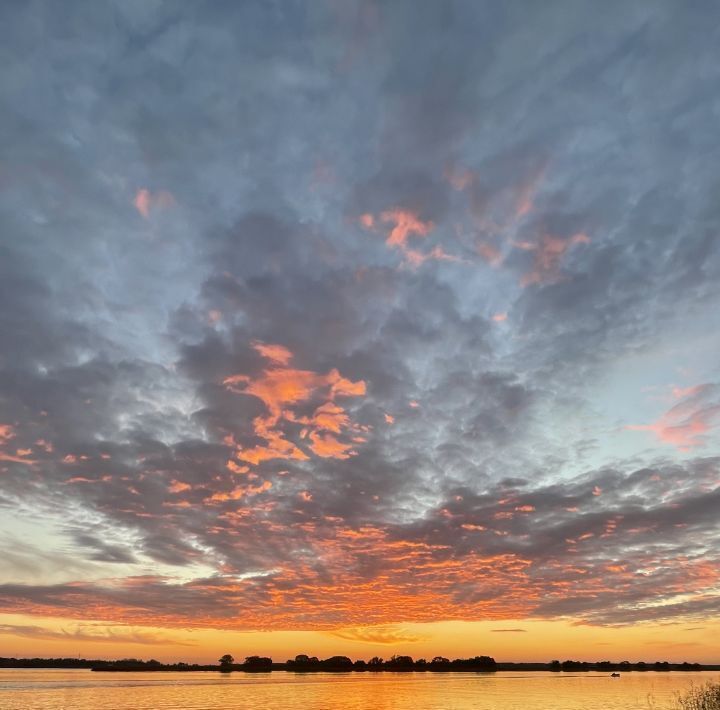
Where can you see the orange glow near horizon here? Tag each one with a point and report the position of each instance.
(530, 641)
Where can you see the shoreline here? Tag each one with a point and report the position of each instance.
(345, 665)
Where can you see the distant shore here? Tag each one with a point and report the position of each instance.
(343, 664)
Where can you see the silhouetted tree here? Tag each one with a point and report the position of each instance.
(439, 663)
(257, 664)
(226, 663)
(399, 663)
(337, 663)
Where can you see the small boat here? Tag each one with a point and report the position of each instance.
(614, 675)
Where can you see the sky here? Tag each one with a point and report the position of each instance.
(360, 327)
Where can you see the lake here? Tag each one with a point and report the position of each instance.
(85, 690)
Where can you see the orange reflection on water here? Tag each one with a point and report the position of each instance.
(85, 690)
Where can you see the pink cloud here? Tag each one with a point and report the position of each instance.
(142, 202)
(406, 223)
(459, 177)
(490, 253)
(367, 221)
(146, 201)
(682, 392)
(548, 255)
(687, 423)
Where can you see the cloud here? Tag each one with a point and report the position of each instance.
(7, 433)
(687, 424)
(389, 635)
(547, 257)
(195, 417)
(282, 390)
(92, 633)
(145, 201)
(509, 631)
(513, 552)
(404, 225)
(277, 354)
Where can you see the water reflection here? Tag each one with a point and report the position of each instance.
(84, 690)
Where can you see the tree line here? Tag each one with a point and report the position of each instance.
(303, 663)
(624, 666)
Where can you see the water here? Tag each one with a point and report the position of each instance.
(85, 690)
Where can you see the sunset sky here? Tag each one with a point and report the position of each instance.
(360, 327)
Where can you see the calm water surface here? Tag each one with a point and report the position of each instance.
(85, 690)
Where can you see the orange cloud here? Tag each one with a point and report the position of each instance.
(328, 446)
(389, 634)
(232, 466)
(7, 432)
(277, 446)
(499, 317)
(282, 388)
(405, 224)
(328, 416)
(241, 492)
(277, 354)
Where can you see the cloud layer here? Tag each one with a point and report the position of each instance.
(332, 315)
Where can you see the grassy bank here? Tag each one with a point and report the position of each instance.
(706, 697)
